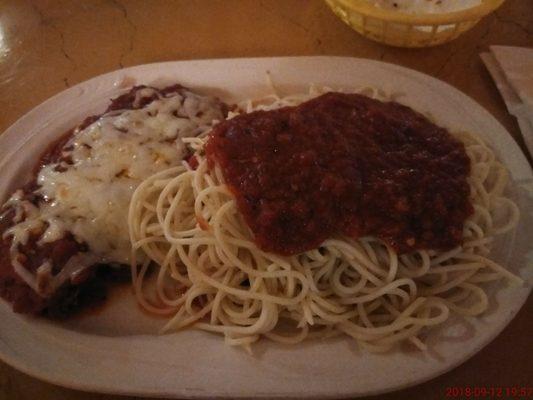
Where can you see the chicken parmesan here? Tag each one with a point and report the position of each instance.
(66, 232)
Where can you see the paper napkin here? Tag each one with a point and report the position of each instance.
(512, 70)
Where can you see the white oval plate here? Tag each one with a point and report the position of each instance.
(117, 350)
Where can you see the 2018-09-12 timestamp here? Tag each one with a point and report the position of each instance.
(489, 391)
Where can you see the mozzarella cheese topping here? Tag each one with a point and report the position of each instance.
(88, 192)
(426, 6)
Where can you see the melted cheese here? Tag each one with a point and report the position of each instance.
(88, 192)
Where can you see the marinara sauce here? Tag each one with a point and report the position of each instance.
(344, 164)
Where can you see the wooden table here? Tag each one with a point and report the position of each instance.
(47, 45)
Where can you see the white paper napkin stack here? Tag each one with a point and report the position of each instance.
(512, 70)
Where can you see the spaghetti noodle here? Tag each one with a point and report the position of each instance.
(211, 275)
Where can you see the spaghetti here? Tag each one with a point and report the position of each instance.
(211, 275)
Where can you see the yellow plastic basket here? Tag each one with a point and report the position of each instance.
(409, 30)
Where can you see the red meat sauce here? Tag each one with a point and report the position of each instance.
(344, 164)
(91, 288)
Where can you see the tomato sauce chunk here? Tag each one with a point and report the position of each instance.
(344, 164)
